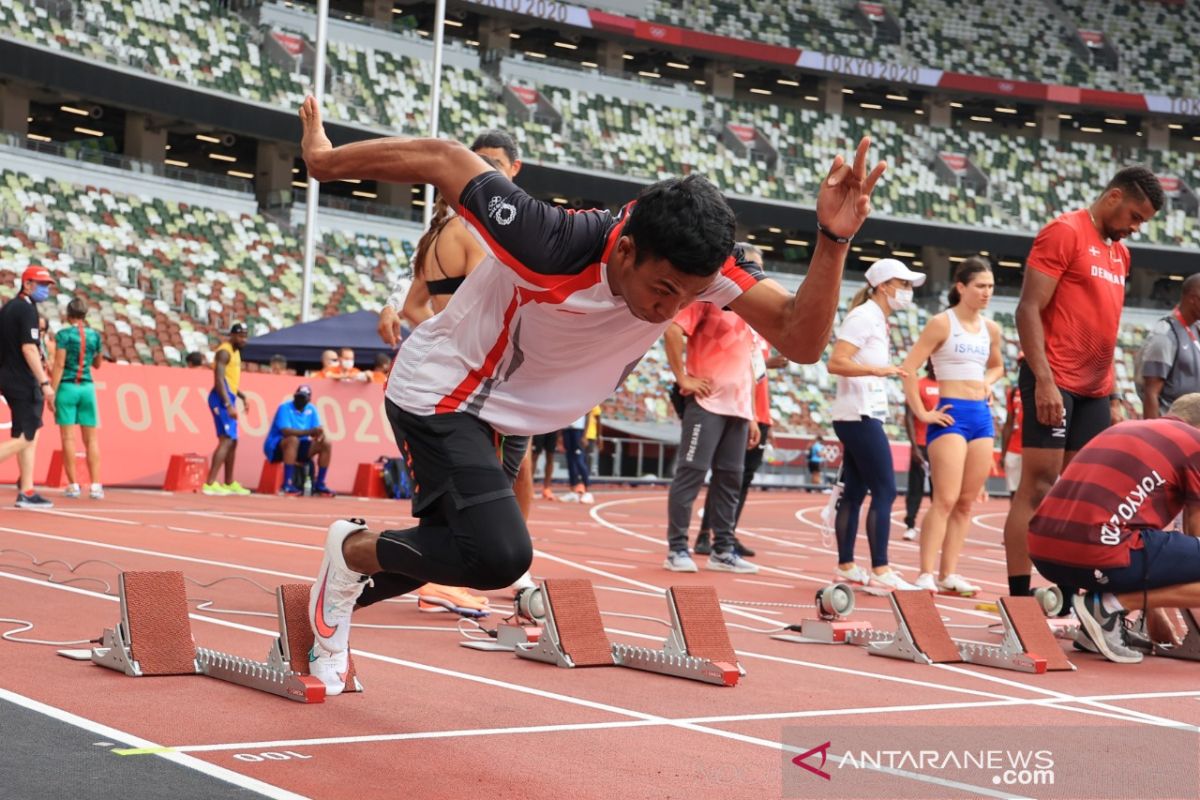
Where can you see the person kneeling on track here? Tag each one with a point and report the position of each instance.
(296, 437)
(1101, 528)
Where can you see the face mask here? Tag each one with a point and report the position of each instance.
(902, 299)
(347, 363)
(41, 292)
(300, 400)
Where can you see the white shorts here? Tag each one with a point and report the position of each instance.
(1012, 471)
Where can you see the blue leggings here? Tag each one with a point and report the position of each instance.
(866, 467)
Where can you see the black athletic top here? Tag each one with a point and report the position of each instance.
(445, 285)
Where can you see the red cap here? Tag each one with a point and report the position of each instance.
(37, 273)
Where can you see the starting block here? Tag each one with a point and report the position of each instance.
(573, 635)
(1189, 648)
(1027, 646)
(154, 637)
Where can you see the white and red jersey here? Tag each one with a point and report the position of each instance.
(535, 337)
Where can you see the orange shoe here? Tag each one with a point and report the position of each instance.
(435, 598)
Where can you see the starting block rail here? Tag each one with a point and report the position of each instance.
(1189, 648)
(573, 635)
(1028, 643)
(154, 637)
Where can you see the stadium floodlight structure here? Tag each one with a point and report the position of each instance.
(313, 197)
(435, 96)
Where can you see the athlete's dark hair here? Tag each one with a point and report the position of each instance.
(77, 308)
(684, 220)
(968, 269)
(194, 359)
(1140, 182)
(495, 139)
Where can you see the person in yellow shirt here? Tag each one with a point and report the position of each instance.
(222, 401)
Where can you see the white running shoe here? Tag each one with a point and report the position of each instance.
(329, 668)
(730, 562)
(855, 574)
(523, 582)
(891, 580)
(72, 490)
(911, 535)
(568, 497)
(958, 585)
(331, 601)
(680, 561)
(97, 492)
(587, 499)
(926, 582)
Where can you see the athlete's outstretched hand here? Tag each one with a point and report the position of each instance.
(844, 201)
(389, 326)
(314, 143)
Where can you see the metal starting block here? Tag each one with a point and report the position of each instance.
(1189, 648)
(154, 637)
(573, 635)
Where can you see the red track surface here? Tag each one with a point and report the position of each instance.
(438, 720)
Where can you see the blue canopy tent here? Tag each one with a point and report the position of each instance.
(304, 343)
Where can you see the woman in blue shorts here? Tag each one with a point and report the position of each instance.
(965, 350)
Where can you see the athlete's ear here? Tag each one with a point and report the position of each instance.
(516, 167)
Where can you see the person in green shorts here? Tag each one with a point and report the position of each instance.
(78, 353)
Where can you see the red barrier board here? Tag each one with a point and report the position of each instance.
(148, 414)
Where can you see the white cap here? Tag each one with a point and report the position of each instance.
(885, 269)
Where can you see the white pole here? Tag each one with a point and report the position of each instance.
(435, 95)
(314, 188)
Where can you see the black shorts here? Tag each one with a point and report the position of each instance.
(545, 443)
(1166, 558)
(1086, 417)
(451, 456)
(301, 452)
(512, 453)
(25, 406)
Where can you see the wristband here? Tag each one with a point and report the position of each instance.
(828, 234)
(44, 383)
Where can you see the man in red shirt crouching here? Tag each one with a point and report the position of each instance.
(1101, 526)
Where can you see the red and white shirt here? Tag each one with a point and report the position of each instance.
(535, 337)
(719, 348)
(1135, 476)
(1082, 318)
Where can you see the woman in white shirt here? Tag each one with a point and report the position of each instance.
(861, 360)
(965, 350)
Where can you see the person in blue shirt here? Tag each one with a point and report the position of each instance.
(296, 436)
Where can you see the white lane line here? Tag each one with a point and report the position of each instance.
(637, 550)
(88, 517)
(182, 759)
(281, 543)
(184, 530)
(221, 515)
(571, 532)
(612, 564)
(764, 583)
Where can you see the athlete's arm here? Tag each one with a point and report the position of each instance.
(1036, 293)
(219, 364)
(937, 330)
(841, 363)
(800, 325)
(1191, 520)
(1151, 392)
(446, 165)
(60, 362)
(33, 357)
(416, 303)
(1006, 432)
(995, 362)
(673, 343)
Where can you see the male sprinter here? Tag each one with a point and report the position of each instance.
(547, 326)
(1101, 528)
(222, 402)
(1067, 319)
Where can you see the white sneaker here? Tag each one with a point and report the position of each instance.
(72, 490)
(730, 562)
(587, 499)
(523, 582)
(926, 582)
(891, 580)
(911, 535)
(97, 492)
(680, 561)
(958, 584)
(329, 668)
(569, 497)
(331, 601)
(855, 574)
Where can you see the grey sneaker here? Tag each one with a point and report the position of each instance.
(680, 561)
(730, 562)
(33, 500)
(1135, 638)
(1105, 629)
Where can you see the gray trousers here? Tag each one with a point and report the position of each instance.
(709, 441)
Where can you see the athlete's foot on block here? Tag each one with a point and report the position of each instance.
(329, 668)
(433, 597)
(332, 598)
